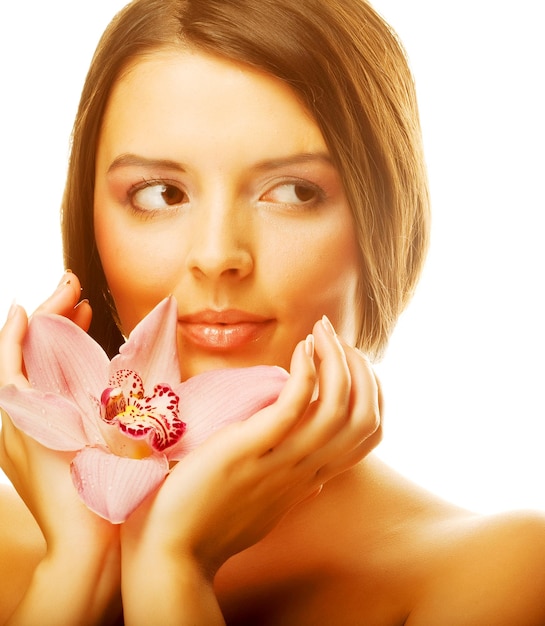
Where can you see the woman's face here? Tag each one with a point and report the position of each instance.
(214, 184)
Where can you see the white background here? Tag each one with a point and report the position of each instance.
(464, 374)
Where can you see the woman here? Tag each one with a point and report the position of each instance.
(262, 162)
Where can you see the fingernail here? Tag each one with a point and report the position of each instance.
(65, 280)
(309, 346)
(12, 310)
(81, 302)
(328, 325)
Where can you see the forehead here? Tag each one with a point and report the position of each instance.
(183, 97)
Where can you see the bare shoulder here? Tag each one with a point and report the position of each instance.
(486, 570)
(21, 548)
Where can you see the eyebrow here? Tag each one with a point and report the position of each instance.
(295, 159)
(135, 160)
(132, 160)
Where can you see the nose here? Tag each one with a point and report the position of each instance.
(220, 244)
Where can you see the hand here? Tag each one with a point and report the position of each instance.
(230, 492)
(79, 575)
(22, 459)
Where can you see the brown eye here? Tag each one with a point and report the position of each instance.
(304, 194)
(172, 195)
(293, 194)
(158, 196)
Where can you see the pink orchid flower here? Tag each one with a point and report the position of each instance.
(129, 418)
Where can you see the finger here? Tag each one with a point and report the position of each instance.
(12, 448)
(363, 429)
(65, 297)
(11, 351)
(344, 462)
(268, 428)
(365, 393)
(82, 314)
(334, 383)
(11, 360)
(327, 414)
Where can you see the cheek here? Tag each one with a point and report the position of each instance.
(139, 274)
(320, 273)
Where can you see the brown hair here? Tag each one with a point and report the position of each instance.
(347, 67)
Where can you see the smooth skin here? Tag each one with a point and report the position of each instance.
(224, 195)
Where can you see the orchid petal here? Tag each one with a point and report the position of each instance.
(48, 418)
(77, 391)
(62, 358)
(114, 486)
(214, 399)
(151, 348)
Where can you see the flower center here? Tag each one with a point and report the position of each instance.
(153, 421)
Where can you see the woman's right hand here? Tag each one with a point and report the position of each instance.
(231, 491)
(78, 579)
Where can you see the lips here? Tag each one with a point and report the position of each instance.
(223, 330)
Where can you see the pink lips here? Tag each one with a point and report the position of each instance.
(223, 330)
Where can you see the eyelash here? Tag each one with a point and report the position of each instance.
(319, 195)
(148, 184)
